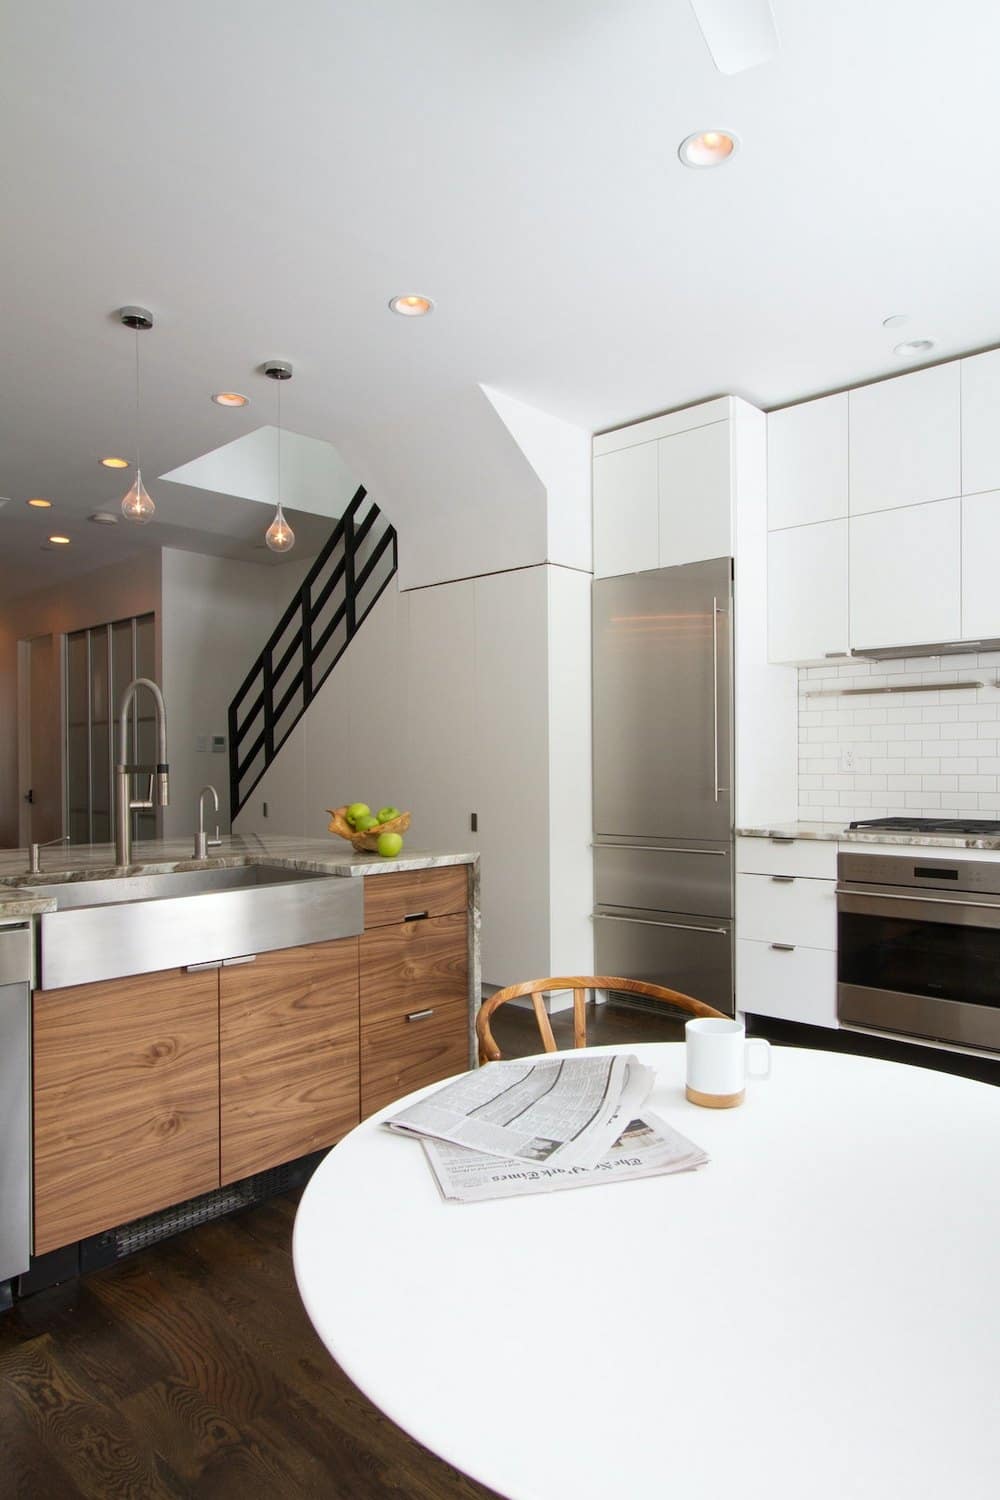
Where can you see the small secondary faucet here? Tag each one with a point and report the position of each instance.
(34, 860)
(202, 843)
(158, 774)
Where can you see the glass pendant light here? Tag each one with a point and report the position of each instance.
(137, 503)
(279, 536)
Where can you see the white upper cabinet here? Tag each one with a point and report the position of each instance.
(905, 440)
(807, 592)
(906, 576)
(807, 462)
(695, 495)
(626, 519)
(981, 423)
(980, 549)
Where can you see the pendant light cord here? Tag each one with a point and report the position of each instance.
(138, 459)
(278, 384)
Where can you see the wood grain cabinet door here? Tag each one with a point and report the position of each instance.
(414, 1007)
(288, 1046)
(126, 1096)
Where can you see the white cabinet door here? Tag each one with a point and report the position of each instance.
(905, 444)
(906, 576)
(511, 757)
(807, 592)
(695, 486)
(980, 550)
(626, 522)
(807, 462)
(981, 422)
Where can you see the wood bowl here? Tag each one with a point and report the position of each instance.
(364, 843)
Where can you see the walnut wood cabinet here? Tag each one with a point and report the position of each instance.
(126, 1092)
(153, 1089)
(414, 982)
(288, 1055)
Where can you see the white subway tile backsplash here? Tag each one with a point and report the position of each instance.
(928, 752)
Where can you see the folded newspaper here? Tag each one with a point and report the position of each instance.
(526, 1127)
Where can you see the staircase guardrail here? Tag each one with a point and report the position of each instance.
(329, 607)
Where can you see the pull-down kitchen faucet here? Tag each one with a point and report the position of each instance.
(158, 773)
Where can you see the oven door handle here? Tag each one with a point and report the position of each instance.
(920, 897)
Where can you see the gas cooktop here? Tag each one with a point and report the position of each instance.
(978, 827)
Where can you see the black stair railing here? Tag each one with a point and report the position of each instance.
(328, 609)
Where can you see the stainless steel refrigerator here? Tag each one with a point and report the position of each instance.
(663, 778)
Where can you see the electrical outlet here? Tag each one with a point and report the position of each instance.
(848, 759)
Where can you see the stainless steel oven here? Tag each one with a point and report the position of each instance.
(918, 947)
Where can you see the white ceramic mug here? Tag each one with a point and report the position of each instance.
(718, 1061)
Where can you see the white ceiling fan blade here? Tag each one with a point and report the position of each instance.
(739, 34)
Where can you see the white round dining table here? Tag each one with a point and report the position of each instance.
(814, 1314)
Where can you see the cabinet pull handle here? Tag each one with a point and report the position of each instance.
(420, 1015)
(608, 916)
(214, 963)
(416, 916)
(781, 838)
(783, 879)
(247, 958)
(783, 947)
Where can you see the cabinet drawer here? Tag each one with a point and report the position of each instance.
(810, 857)
(787, 909)
(413, 965)
(431, 893)
(796, 985)
(399, 1055)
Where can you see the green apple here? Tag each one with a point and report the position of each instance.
(365, 822)
(389, 844)
(355, 811)
(386, 814)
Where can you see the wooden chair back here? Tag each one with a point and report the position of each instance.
(579, 984)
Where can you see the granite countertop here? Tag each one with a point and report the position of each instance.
(839, 833)
(326, 856)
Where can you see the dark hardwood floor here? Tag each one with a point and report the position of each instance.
(190, 1371)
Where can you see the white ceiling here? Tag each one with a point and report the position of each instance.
(265, 177)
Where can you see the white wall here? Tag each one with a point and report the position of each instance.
(216, 615)
(113, 593)
(923, 754)
(471, 696)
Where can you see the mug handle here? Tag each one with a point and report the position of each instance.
(759, 1041)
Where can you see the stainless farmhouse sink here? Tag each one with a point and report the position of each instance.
(108, 890)
(135, 924)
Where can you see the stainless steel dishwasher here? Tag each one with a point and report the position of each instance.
(15, 1105)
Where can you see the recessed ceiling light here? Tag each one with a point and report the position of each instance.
(115, 463)
(39, 504)
(104, 518)
(707, 148)
(59, 541)
(411, 307)
(896, 320)
(913, 347)
(230, 398)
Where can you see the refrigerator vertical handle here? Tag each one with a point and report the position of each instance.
(716, 612)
